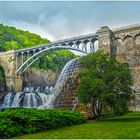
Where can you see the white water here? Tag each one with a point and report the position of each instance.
(29, 98)
(36, 97)
(61, 82)
(16, 100)
(7, 100)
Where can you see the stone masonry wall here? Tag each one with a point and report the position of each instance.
(13, 81)
(125, 44)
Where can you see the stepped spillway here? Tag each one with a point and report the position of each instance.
(49, 97)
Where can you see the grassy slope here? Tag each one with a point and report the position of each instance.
(125, 127)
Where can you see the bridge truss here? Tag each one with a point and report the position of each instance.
(24, 58)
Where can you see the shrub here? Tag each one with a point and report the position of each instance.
(23, 121)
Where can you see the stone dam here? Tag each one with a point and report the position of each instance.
(122, 42)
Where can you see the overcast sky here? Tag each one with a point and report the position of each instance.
(57, 20)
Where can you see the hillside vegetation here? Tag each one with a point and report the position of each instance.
(13, 39)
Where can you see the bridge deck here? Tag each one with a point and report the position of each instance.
(82, 37)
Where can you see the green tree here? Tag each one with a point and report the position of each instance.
(13, 39)
(54, 60)
(104, 82)
(12, 45)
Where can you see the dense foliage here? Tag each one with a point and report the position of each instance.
(23, 121)
(54, 60)
(13, 39)
(104, 82)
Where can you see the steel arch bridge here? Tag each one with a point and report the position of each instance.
(24, 58)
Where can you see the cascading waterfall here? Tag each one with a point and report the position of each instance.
(32, 97)
(7, 100)
(69, 69)
(29, 98)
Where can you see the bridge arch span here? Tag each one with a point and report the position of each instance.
(41, 53)
(127, 36)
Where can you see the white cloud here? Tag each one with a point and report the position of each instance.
(58, 20)
(33, 28)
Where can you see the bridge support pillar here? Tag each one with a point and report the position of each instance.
(14, 83)
(105, 39)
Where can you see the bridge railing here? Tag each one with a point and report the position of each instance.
(126, 27)
(74, 38)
